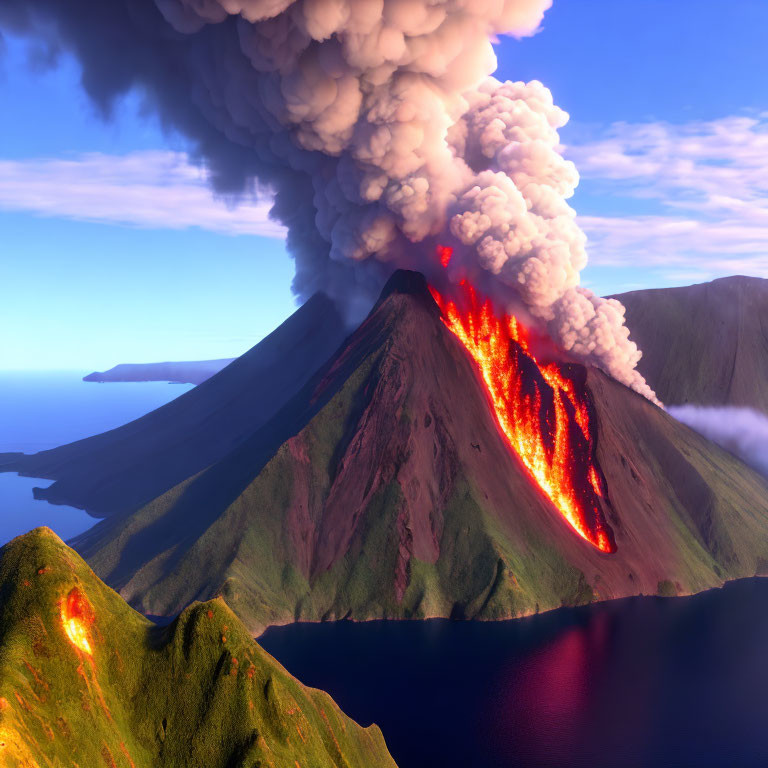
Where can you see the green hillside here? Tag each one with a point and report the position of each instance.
(86, 681)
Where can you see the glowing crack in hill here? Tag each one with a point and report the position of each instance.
(76, 617)
(542, 410)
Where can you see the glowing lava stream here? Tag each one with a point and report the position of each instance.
(76, 617)
(543, 413)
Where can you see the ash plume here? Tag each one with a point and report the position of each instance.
(741, 431)
(379, 131)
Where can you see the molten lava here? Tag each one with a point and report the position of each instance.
(444, 253)
(77, 616)
(542, 410)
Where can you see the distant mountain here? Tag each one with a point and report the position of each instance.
(86, 681)
(120, 470)
(178, 373)
(385, 489)
(705, 344)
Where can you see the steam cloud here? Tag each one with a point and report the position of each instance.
(376, 125)
(742, 431)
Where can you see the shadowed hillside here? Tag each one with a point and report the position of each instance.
(705, 344)
(126, 467)
(84, 680)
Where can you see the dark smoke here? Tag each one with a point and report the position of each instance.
(375, 125)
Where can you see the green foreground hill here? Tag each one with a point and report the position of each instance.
(86, 681)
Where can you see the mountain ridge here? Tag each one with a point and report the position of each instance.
(117, 455)
(119, 470)
(390, 493)
(704, 344)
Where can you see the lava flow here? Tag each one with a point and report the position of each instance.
(543, 410)
(77, 616)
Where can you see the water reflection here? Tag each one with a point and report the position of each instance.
(544, 694)
(641, 682)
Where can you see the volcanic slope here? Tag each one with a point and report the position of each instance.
(385, 489)
(705, 344)
(126, 467)
(84, 680)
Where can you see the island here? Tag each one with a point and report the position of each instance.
(194, 372)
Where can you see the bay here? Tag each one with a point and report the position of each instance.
(44, 409)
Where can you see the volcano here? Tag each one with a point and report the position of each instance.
(85, 680)
(704, 344)
(389, 487)
(120, 470)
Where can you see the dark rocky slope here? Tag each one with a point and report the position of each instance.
(705, 344)
(384, 489)
(198, 693)
(122, 469)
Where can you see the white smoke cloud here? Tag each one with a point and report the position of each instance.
(519, 226)
(382, 134)
(742, 431)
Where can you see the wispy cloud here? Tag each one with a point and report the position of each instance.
(708, 182)
(155, 189)
(742, 431)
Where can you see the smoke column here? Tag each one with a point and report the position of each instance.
(379, 131)
(742, 431)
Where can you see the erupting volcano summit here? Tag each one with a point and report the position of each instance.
(377, 129)
(438, 463)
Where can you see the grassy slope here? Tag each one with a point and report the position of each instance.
(713, 507)
(200, 692)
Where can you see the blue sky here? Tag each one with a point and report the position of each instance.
(669, 127)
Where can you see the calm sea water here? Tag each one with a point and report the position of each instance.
(40, 410)
(644, 682)
(635, 683)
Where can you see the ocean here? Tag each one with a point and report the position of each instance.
(43, 409)
(645, 682)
